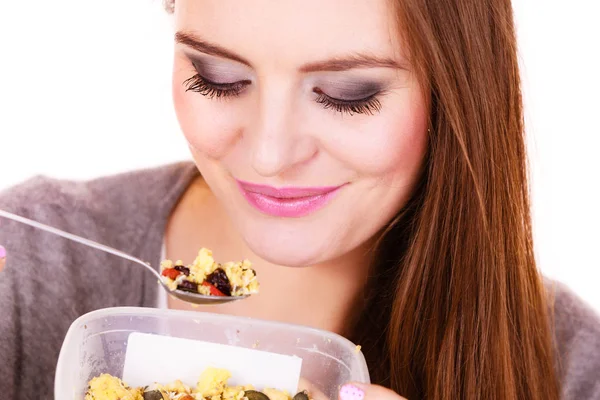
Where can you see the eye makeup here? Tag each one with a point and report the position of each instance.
(350, 96)
(369, 105)
(349, 90)
(215, 78)
(217, 71)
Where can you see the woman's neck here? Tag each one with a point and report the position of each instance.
(325, 296)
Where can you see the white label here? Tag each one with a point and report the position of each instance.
(163, 359)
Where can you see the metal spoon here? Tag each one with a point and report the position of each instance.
(189, 297)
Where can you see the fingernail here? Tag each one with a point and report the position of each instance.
(351, 392)
(2, 252)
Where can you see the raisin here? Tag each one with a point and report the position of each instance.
(182, 269)
(188, 286)
(220, 280)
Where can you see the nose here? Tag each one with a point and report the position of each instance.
(279, 142)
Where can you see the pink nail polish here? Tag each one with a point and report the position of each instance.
(351, 392)
(2, 252)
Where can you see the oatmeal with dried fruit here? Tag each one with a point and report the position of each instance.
(207, 277)
(212, 385)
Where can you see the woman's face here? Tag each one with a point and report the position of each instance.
(303, 118)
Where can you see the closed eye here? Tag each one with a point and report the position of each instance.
(368, 105)
(205, 87)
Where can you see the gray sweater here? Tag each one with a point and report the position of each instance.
(48, 281)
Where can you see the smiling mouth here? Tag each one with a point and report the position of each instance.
(288, 202)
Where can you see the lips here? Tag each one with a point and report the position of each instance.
(288, 202)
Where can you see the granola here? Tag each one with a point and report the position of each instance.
(211, 385)
(207, 277)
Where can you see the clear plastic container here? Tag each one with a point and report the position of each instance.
(97, 342)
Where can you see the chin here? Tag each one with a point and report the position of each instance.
(288, 253)
(285, 257)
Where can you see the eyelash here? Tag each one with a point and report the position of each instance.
(211, 90)
(369, 105)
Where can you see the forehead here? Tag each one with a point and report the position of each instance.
(302, 30)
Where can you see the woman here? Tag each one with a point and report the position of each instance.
(375, 148)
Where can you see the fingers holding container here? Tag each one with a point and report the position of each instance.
(2, 257)
(367, 392)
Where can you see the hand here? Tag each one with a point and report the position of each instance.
(359, 391)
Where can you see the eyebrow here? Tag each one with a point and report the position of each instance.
(350, 62)
(334, 64)
(205, 47)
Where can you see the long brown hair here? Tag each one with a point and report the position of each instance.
(457, 308)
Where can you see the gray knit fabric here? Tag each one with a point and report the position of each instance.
(48, 281)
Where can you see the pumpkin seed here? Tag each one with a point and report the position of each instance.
(255, 395)
(153, 395)
(301, 395)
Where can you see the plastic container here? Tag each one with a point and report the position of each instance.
(97, 343)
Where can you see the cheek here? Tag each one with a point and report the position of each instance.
(388, 145)
(205, 123)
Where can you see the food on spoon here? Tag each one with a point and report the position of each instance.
(212, 385)
(205, 276)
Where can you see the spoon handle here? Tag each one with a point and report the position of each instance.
(78, 239)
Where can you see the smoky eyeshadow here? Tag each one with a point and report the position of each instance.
(217, 71)
(349, 90)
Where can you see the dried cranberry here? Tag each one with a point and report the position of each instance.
(212, 289)
(220, 280)
(188, 286)
(182, 269)
(171, 273)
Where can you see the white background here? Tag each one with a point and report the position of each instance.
(85, 91)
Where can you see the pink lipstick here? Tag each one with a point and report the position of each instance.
(289, 202)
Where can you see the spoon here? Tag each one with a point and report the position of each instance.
(189, 297)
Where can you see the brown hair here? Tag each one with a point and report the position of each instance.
(456, 308)
(468, 317)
